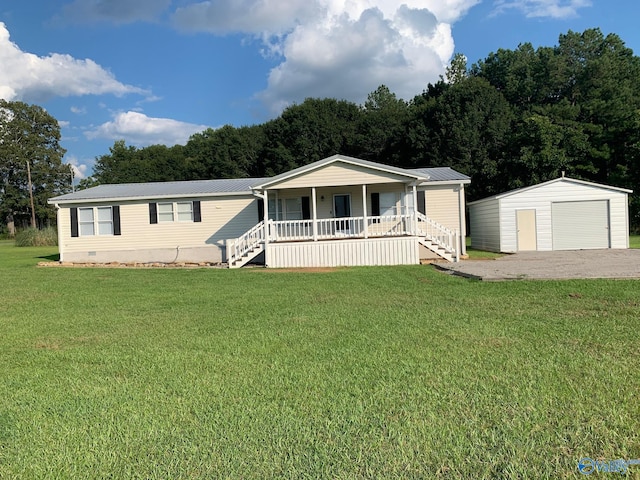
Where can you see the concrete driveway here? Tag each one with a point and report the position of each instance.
(551, 265)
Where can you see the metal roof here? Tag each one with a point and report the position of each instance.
(442, 174)
(193, 188)
(555, 180)
(237, 186)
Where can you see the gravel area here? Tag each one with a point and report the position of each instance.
(551, 265)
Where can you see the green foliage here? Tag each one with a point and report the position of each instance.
(29, 134)
(516, 118)
(397, 372)
(33, 237)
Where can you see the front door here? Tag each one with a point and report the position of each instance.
(341, 209)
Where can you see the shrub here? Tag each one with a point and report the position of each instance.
(32, 237)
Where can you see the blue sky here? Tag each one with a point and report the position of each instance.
(157, 71)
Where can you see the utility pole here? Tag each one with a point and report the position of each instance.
(72, 178)
(33, 210)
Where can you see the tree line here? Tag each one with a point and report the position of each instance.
(516, 118)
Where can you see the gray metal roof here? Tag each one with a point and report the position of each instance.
(234, 186)
(441, 174)
(194, 188)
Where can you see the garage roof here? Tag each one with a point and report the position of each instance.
(538, 185)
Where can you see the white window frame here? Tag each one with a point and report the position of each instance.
(97, 223)
(175, 212)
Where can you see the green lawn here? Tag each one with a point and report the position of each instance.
(634, 241)
(400, 372)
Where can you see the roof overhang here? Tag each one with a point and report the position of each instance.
(62, 201)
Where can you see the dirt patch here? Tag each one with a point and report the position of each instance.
(133, 265)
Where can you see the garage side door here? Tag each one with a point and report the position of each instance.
(578, 225)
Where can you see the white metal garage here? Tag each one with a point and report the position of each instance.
(562, 214)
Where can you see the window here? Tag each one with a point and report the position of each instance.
(297, 208)
(167, 212)
(90, 221)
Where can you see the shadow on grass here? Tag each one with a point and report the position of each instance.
(50, 258)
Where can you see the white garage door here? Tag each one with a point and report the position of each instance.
(578, 225)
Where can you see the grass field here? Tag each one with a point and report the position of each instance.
(400, 372)
(634, 241)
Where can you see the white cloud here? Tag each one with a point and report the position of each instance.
(138, 129)
(80, 169)
(336, 48)
(78, 110)
(543, 8)
(25, 76)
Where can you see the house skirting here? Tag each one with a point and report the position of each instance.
(339, 253)
(210, 253)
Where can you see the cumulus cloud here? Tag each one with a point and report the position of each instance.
(80, 169)
(117, 11)
(339, 49)
(28, 77)
(139, 129)
(543, 8)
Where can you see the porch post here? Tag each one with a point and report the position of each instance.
(365, 225)
(463, 221)
(414, 214)
(314, 213)
(265, 199)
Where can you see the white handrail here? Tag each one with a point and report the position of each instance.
(439, 234)
(237, 247)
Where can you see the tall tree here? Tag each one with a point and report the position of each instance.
(28, 134)
(379, 126)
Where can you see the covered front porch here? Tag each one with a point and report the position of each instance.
(343, 210)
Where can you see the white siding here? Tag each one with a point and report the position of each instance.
(484, 220)
(338, 253)
(222, 218)
(541, 198)
(336, 175)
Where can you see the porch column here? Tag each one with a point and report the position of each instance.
(463, 221)
(314, 214)
(414, 214)
(265, 199)
(365, 226)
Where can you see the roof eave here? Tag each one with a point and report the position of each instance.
(59, 201)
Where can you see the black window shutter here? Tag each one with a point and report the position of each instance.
(306, 208)
(375, 204)
(115, 212)
(153, 213)
(197, 215)
(74, 221)
(260, 210)
(421, 205)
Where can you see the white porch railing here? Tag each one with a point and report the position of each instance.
(440, 239)
(247, 242)
(447, 239)
(335, 228)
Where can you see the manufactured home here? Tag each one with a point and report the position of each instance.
(333, 212)
(561, 214)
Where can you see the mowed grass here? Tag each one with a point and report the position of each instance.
(399, 372)
(634, 241)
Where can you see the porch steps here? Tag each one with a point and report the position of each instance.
(437, 249)
(249, 255)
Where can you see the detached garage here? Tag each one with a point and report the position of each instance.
(562, 214)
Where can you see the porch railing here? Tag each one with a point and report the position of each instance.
(335, 228)
(442, 236)
(251, 239)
